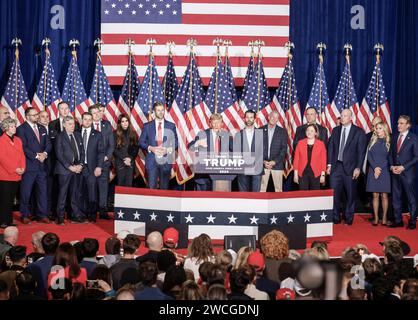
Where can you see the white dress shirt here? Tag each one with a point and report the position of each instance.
(250, 136)
(87, 141)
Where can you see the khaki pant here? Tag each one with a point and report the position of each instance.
(277, 180)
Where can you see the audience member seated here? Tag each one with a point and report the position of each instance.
(173, 281)
(262, 283)
(165, 260)
(217, 292)
(38, 251)
(112, 247)
(200, 251)
(26, 286)
(89, 247)
(239, 282)
(148, 274)
(155, 245)
(190, 291)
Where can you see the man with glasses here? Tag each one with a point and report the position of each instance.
(36, 146)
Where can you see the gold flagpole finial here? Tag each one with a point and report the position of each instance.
(170, 45)
(74, 43)
(290, 46)
(378, 48)
(16, 42)
(151, 43)
(347, 49)
(129, 42)
(321, 47)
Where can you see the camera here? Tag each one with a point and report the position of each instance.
(92, 284)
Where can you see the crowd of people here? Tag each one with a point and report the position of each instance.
(56, 270)
(62, 167)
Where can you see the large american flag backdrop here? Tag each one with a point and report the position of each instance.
(178, 20)
(223, 213)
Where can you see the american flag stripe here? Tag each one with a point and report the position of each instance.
(238, 21)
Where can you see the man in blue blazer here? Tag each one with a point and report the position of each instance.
(70, 158)
(403, 160)
(346, 151)
(159, 138)
(105, 128)
(36, 146)
(93, 164)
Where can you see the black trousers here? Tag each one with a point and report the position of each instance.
(69, 184)
(8, 190)
(125, 176)
(309, 182)
(89, 193)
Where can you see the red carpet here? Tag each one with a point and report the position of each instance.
(344, 236)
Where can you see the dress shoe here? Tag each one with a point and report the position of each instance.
(92, 220)
(348, 222)
(4, 225)
(396, 225)
(60, 222)
(104, 216)
(78, 220)
(44, 220)
(26, 221)
(411, 226)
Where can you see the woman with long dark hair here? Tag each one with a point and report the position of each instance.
(126, 150)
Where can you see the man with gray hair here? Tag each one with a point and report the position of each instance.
(275, 149)
(10, 237)
(70, 158)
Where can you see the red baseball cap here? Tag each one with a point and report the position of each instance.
(256, 259)
(285, 294)
(170, 236)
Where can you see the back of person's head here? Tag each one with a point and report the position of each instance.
(79, 292)
(125, 294)
(155, 241)
(190, 291)
(131, 243)
(165, 259)
(382, 288)
(217, 292)
(224, 259)
(286, 270)
(204, 270)
(171, 237)
(112, 245)
(37, 241)
(26, 283)
(66, 256)
(393, 253)
(361, 248)
(189, 274)
(148, 273)
(239, 280)
(216, 275)
(372, 269)
(90, 247)
(275, 245)
(78, 247)
(242, 257)
(11, 234)
(62, 290)
(50, 242)
(17, 254)
(410, 289)
(201, 248)
(257, 261)
(319, 253)
(356, 294)
(322, 244)
(4, 290)
(102, 272)
(174, 277)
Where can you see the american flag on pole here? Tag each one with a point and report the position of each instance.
(345, 98)
(178, 20)
(15, 97)
(47, 96)
(287, 103)
(247, 81)
(102, 93)
(170, 84)
(74, 92)
(375, 103)
(319, 98)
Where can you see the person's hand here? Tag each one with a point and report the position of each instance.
(73, 169)
(104, 286)
(328, 170)
(41, 157)
(97, 172)
(20, 171)
(322, 179)
(127, 162)
(202, 143)
(296, 178)
(161, 151)
(377, 172)
(398, 169)
(401, 169)
(356, 173)
(79, 168)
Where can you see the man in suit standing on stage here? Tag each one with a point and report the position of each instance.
(403, 160)
(105, 128)
(275, 149)
(159, 138)
(70, 158)
(249, 143)
(213, 140)
(346, 151)
(311, 117)
(93, 163)
(36, 146)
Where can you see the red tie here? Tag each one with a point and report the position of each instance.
(398, 146)
(160, 135)
(98, 126)
(217, 144)
(35, 128)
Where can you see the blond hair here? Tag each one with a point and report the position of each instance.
(242, 257)
(374, 138)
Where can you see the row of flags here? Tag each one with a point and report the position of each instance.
(190, 108)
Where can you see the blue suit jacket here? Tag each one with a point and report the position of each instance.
(407, 156)
(31, 146)
(354, 150)
(95, 150)
(64, 152)
(148, 138)
(108, 141)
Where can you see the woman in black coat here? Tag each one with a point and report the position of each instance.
(126, 150)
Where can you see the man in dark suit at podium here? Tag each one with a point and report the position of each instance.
(346, 151)
(403, 159)
(70, 158)
(159, 138)
(311, 117)
(37, 147)
(213, 140)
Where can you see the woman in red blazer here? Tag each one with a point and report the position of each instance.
(310, 161)
(12, 167)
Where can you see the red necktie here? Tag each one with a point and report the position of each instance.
(98, 126)
(398, 146)
(160, 135)
(217, 144)
(35, 128)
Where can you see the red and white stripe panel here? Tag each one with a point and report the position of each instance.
(331, 115)
(19, 115)
(112, 113)
(51, 109)
(362, 116)
(383, 111)
(81, 108)
(233, 118)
